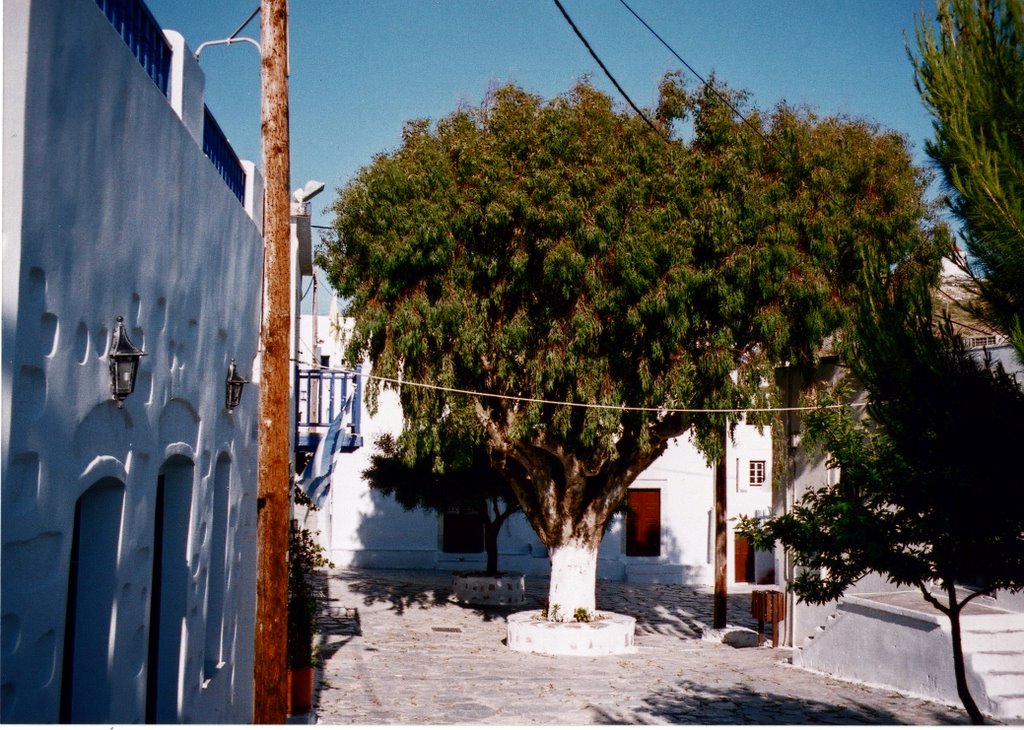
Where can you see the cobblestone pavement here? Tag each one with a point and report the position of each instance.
(396, 650)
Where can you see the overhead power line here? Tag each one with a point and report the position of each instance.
(571, 404)
(604, 68)
(703, 81)
(247, 21)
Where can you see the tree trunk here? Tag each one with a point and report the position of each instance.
(573, 580)
(720, 606)
(568, 502)
(491, 530)
(959, 666)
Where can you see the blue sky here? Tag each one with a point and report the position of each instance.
(361, 68)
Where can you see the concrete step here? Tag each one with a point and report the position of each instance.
(997, 661)
(1008, 707)
(992, 621)
(996, 640)
(1001, 684)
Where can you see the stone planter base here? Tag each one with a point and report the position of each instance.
(612, 634)
(489, 590)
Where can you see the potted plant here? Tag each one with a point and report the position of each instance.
(305, 555)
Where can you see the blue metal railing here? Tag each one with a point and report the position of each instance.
(223, 157)
(132, 19)
(320, 397)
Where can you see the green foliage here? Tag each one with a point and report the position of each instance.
(929, 487)
(560, 251)
(461, 476)
(420, 484)
(970, 72)
(925, 483)
(583, 616)
(305, 556)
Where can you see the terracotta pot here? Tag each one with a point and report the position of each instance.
(300, 690)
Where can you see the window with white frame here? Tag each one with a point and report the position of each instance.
(757, 473)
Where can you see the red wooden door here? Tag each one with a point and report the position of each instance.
(743, 560)
(643, 522)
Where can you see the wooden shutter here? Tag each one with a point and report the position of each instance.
(643, 522)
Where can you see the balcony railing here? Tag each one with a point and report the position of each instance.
(132, 19)
(223, 157)
(321, 396)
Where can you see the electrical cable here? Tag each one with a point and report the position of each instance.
(570, 404)
(608, 73)
(703, 81)
(247, 21)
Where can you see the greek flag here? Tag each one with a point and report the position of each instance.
(316, 478)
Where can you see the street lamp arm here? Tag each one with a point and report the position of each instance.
(226, 42)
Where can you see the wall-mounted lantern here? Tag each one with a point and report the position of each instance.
(124, 363)
(233, 387)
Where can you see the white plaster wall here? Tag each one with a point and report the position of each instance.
(360, 527)
(120, 214)
(895, 647)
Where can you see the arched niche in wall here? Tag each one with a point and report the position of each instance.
(170, 589)
(104, 430)
(217, 575)
(179, 423)
(90, 618)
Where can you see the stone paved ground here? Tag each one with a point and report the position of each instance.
(396, 650)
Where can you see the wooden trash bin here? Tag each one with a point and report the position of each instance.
(768, 606)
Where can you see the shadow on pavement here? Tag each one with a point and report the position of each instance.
(662, 609)
(400, 594)
(336, 627)
(690, 702)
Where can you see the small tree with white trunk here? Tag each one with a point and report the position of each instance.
(579, 288)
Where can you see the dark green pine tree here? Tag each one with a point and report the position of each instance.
(970, 72)
(533, 255)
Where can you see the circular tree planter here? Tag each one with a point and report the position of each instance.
(612, 633)
(478, 589)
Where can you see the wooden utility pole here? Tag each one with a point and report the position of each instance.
(271, 641)
(719, 619)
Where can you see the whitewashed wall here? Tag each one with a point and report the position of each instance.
(360, 527)
(110, 208)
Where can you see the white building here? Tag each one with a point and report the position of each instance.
(128, 534)
(673, 501)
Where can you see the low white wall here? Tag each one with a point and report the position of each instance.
(869, 642)
(886, 645)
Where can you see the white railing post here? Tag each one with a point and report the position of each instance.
(187, 86)
(252, 200)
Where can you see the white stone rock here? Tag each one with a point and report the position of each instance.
(734, 636)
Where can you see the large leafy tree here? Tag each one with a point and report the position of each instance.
(536, 255)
